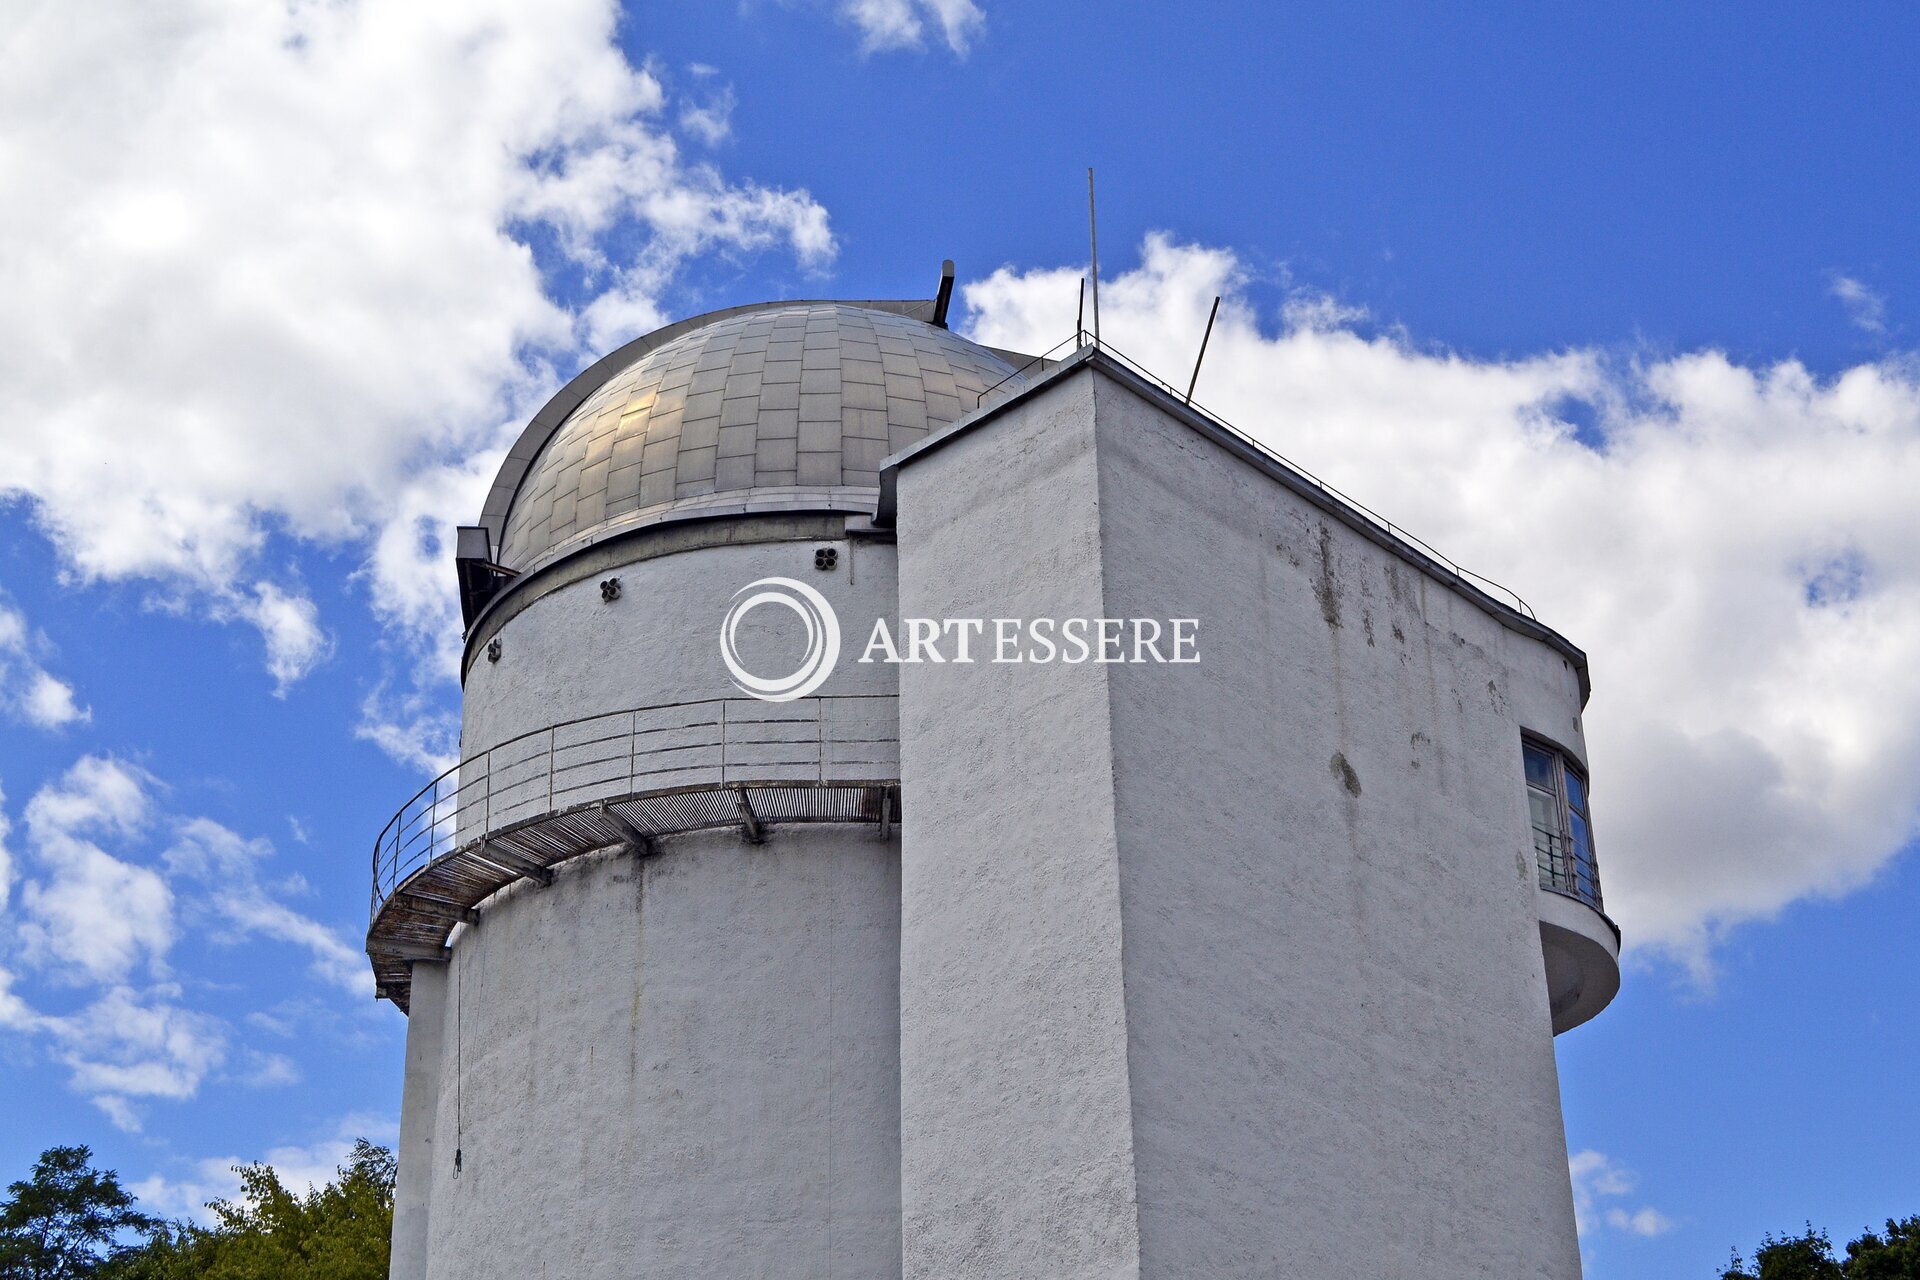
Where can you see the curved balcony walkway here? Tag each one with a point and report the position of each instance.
(623, 779)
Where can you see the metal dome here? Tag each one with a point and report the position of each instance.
(774, 406)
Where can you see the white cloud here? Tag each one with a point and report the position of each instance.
(710, 121)
(303, 1168)
(281, 266)
(28, 690)
(416, 729)
(290, 625)
(96, 912)
(1731, 544)
(6, 876)
(300, 1169)
(98, 795)
(270, 1070)
(92, 920)
(902, 24)
(1597, 1178)
(226, 866)
(1308, 310)
(1646, 1222)
(130, 1045)
(409, 563)
(1867, 309)
(187, 1194)
(15, 1014)
(94, 916)
(122, 1114)
(49, 703)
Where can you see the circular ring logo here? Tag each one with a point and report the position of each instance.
(823, 638)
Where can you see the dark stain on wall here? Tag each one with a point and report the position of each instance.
(1344, 771)
(1325, 589)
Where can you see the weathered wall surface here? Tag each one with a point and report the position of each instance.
(1280, 904)
(1016, 1141)
(683, 1065)
(572, 654)
(1340, 1049)
(419, 1109)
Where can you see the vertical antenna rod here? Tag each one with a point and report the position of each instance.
(1093, 235)
(1080, 316)
(1203, 348)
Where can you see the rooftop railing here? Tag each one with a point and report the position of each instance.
(1501, 592)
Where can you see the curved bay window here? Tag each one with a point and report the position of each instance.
(1562, 828)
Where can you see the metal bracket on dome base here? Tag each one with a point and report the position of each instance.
(749, 820)
(638, 841)
(480, 578)
(507, 860)
(944, 298)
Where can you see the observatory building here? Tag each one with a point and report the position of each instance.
(927, 811)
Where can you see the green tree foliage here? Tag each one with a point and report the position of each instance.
(1894, 1256)
(1809, 1256)
(70, 1221)
(67, 1219)
(335, 1232)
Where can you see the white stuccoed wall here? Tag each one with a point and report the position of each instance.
(419, 1111)
(1017, 1151)
(1180, 994)
(683, 1065)
(571, 654)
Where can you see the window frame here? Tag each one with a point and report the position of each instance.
(1565, 869)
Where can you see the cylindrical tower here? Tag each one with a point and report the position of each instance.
(648, 932)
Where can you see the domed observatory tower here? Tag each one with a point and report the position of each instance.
(807, 902)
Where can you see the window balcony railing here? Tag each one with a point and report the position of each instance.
(1565, 869)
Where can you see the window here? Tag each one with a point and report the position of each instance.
(1562, 828)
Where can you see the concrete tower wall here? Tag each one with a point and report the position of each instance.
(1017, 1154)
(683, 1065)
(571, 654)
(1339, 1039)
(677, 1065)
(1220, 994)
(419, 1118)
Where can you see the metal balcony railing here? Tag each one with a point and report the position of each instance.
(576, 764)
(1565, 869)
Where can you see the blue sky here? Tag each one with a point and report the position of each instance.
(1614, 306)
